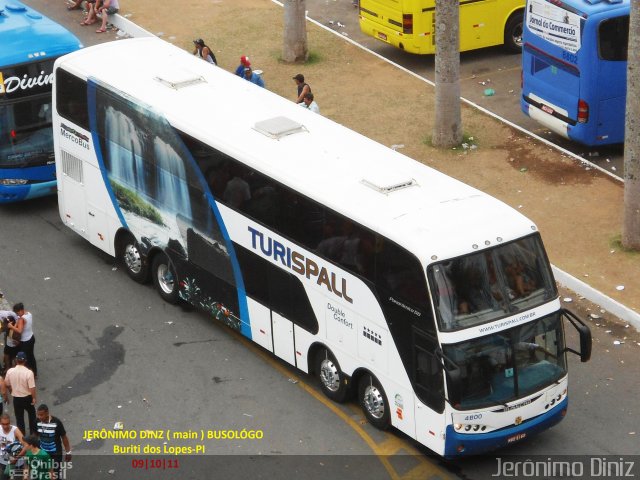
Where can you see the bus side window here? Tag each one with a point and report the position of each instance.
(71, 94)
(613, 36)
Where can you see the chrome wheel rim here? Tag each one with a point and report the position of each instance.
(132, 258)
(329, 375)
(517, 37)
(373, 401)
(166, 280)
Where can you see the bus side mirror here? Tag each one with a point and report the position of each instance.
(454, 377)
(585, 336)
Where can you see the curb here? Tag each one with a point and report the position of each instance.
(595, 296)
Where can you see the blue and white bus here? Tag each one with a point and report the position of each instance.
(29, 44)
(574, 68)
(432, 302)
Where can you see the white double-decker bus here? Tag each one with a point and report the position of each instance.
(432, 302)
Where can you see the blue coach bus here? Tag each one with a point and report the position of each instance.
(574, 68)
(30, 43)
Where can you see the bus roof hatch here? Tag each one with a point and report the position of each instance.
(278, 127)
(178, 79)
(389, 183)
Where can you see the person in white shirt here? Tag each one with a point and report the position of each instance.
(8, 435)
(309, 102)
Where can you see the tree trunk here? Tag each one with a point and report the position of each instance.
(631, 225)
(447, 128)
(294, 48)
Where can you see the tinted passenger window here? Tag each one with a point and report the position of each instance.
(71, 97)
(277, 289)
(399, 273)
(613, 39)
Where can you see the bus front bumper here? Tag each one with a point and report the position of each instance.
(459, 444)
(17, 193)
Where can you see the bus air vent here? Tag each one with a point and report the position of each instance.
(72, 166)
(389, 183)
(279, 127)
(14, 7)
(178, 79)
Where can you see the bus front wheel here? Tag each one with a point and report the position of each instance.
(134, 263)
(374, 402)
(165, 278)
(332, 381)
(513, 33)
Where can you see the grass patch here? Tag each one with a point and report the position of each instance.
(131, 201)
(313, 58)
(616, 243)
(469, 143)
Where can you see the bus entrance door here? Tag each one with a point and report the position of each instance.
(283, 344)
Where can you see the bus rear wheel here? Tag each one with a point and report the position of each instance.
(165, 278)
(513, 33)
(332, 381)
(133, 261)
(374, 402)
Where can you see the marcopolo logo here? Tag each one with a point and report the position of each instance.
(299, 263)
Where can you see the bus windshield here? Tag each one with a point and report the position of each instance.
(511, 364)
(491, 284)
(26, 137)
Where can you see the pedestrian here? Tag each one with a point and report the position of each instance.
(22, 385)
(9, 434)
(38, 461)
(309, 102)
(4, 392)
(27, 338)
(12, 326)
(244, 63)
(303, 88)
(53, 437)
(204, 52)
(253, 77)
(77, 5)
(92, 7)
(109, 7)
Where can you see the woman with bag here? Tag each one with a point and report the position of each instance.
(12, 326)
(23, 335)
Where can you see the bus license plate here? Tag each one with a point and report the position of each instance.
(382, 36)
(549, 110)
(517, 437)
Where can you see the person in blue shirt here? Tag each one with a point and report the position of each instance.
(253, 77)
(244, 63)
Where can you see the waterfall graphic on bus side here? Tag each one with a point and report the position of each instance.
(163, 200)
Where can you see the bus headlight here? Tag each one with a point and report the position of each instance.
(13, 181)
(457, 426)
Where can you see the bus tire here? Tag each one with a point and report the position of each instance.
(134, 263)
(333, 381)
(513, 33)
(374, 402)
(165, 278)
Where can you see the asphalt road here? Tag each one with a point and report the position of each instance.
(480, 69)
(153, 366)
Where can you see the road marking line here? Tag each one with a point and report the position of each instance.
(380, 452)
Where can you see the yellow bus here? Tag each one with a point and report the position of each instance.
(410, 24)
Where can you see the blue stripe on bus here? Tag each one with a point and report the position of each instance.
(93, 125)
(245, 321)
(483, 442)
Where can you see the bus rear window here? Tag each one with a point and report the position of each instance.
(613, 38)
